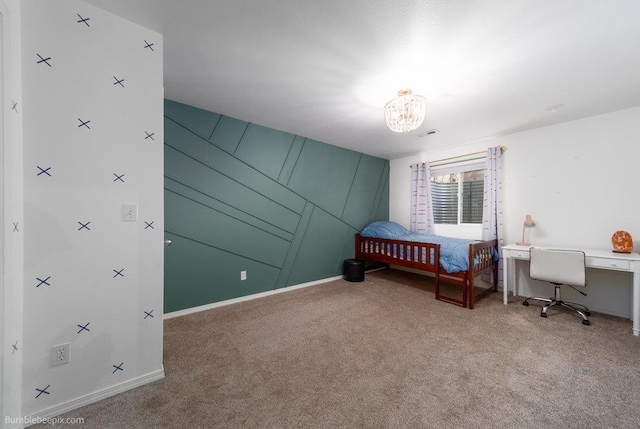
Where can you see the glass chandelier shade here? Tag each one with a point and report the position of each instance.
(405, 113)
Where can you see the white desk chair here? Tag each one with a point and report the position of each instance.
(559, 267)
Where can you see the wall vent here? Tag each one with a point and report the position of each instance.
(428, 133)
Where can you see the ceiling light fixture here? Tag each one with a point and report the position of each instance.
(405, 113)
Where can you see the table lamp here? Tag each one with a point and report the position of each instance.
(526, 225)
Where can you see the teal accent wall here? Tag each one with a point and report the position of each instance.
(242, 197)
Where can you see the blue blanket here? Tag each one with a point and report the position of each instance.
(454, 252)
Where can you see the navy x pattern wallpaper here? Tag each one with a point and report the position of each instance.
(91, 128)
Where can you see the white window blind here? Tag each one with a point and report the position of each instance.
(457, 192)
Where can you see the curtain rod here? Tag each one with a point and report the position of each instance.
(451, 158)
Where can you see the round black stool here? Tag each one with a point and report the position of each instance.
(354, 270)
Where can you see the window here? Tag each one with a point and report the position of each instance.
(457, 194)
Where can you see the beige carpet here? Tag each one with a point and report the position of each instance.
(384, 353)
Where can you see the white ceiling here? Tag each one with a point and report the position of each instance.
(325, 68)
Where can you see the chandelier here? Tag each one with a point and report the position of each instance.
(405, 113)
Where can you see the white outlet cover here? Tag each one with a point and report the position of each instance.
(60, 354)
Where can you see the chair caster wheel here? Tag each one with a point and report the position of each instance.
(525, 303)
(543, 314)
(586, 322)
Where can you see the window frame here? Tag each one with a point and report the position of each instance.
(457, 168)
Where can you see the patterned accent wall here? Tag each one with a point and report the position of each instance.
(92, 108)
(242, 197)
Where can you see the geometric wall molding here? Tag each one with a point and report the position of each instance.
(241, 197)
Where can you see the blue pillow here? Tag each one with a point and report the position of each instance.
(385, 229)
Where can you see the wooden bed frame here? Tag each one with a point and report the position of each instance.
(409, 254)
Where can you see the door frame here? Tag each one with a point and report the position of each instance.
(11, 212)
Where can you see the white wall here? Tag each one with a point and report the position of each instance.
(81, 185)
(577, 180)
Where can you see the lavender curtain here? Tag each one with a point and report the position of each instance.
(421, 207)
(492, 212)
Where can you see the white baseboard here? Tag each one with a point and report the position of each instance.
(246, 298)
(96, 396)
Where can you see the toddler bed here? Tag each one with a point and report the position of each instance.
(454, 260)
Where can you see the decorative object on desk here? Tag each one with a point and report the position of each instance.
(622, 242)
(526, 227)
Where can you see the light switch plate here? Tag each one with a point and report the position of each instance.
(129, 212)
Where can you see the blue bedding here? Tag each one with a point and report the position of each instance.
(454, 252)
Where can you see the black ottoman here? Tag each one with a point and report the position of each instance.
(354, 270)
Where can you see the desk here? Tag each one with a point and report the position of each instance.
(601, 259)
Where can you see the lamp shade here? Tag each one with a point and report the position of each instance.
(528, 222)
(526, 226)
(405, 113)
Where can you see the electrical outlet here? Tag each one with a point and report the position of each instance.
(60, 354)
(243, 275)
